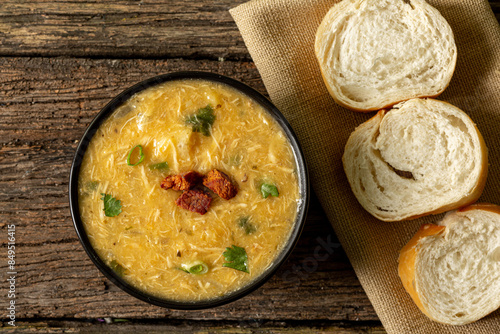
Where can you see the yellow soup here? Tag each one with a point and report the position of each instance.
(154, 244)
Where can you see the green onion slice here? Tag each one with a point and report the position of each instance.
(141, 156)
(195, 268)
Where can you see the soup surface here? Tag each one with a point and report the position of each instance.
(154, 244)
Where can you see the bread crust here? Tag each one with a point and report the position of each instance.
(368, 110)
(409, 253)
(341, 9)
(467, 199)
(482, 206)
(474, 195)
(407, 258)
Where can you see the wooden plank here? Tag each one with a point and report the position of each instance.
(47, 103)
(185, 327)
(123, 29)
(62, 95)
(57, 280)
(495, 6)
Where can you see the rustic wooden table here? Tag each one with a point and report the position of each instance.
(61, 62)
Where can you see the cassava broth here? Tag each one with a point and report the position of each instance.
(149, 240)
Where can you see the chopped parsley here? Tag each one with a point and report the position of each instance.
(112, 206)
(159, 166)
(236, 258)
(246, 225)
(141, 156)
(202, 121)
(267, 189)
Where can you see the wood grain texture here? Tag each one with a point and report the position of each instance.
(47, 104)
(495, 6)
(189, 327)
(124, 29)
(121, 29)
(47, 101)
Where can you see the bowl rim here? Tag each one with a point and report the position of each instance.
(258, 281)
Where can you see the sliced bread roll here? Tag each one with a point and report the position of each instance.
(452, 270)
(375, 53)
(423, 157)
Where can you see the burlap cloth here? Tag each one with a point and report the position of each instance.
(280, 37)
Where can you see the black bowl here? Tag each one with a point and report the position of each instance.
(108, 110)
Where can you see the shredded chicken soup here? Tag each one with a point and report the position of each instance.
(189, 190)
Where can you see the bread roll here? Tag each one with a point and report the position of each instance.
(452, 270)
(375, 53)
(423, 157)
